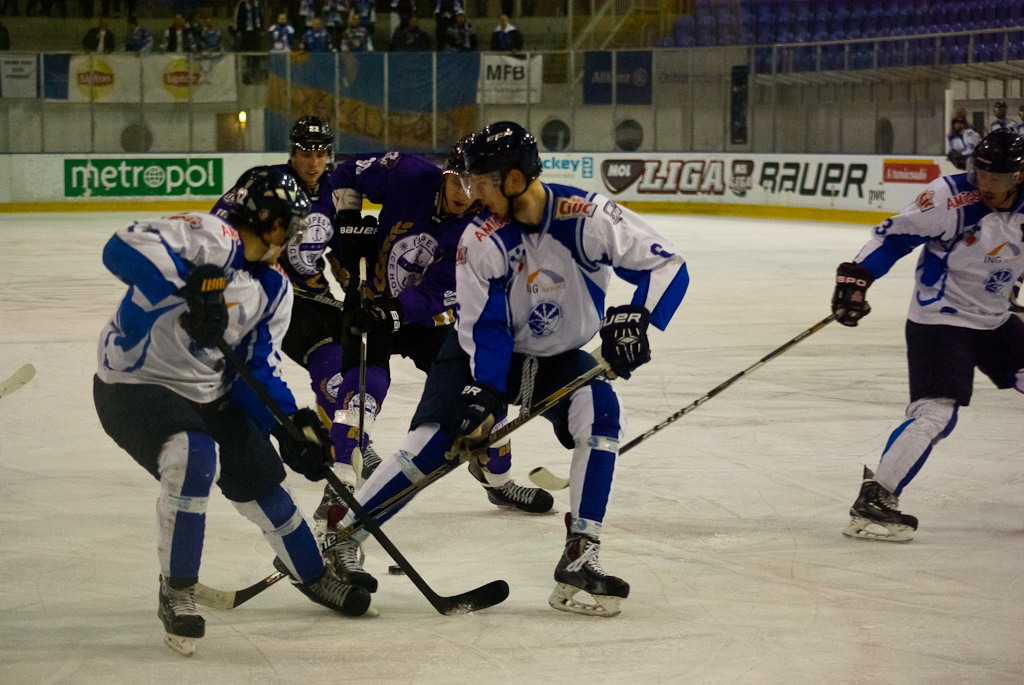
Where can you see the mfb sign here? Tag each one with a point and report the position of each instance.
(510, 79)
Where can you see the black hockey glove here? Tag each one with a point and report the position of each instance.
(207, 315)
(380, 316)
(848, 303)
(357, 239)
(957, 159)
(624, 343)
(478, 406)
(310, 456)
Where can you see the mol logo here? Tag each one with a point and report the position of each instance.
(142, 177)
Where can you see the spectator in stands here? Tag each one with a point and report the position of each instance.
(367, 14)
(248, 25)
(138, 39)
(307, 12)
(961, 142)
(5, 37)
(401, 11)
(411, 38)
(460, 36)
(282, 35)
(317, 38)
(506, 37)
(178, 37)
(99, 38)
(356, 38)
(208, 37)
(444, 14)
(334, 19)
(1000, 121)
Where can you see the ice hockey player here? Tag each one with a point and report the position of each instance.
(532, 274)
(164, 394)
(411, 289)
(970, 229)
(313, 339)
(960, 142)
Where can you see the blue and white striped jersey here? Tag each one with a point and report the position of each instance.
(145, 343)
(970, 259)
(543, 293)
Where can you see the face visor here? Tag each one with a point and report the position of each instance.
(475, 185)
(993, 181)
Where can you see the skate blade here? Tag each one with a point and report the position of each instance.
(185, 646)
(863, 529)
(563, 599)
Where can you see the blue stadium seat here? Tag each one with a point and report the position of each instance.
(682, 32)
(748, 29)
(765, 24)
(1016, 45)
(832, 57)
(665, 42)
(763, 60)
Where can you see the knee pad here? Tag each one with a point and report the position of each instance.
(595, 412)
(285, 531)
(188, 469)
(324, 366)
(935, 415)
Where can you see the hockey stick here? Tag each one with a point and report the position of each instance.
(544, 478)
(479, 598)
(362, 371)
(228, 599)
(17, 379)
(322, 299)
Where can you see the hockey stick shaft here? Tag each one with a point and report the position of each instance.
(556, 483)
(474, 600)
(362, 358)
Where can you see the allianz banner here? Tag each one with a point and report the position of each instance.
(509, 79)
(622, 77)
(135, 79)
(847, 182)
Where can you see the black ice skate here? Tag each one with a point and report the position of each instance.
(331, 511)
(513, 496)
(579, 570)
(329, 591)
(874, 516)
(345, 556)
(177, 610)
(371, 460)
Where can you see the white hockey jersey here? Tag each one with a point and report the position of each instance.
(970, 259)
(543, 293)
(145, 343)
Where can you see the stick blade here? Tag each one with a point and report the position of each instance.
(482, 597)
(225, 599)
(17, 379)
(543, 478)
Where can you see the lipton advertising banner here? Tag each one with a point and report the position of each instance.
(134, 79)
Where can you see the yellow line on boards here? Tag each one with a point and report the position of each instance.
(759, 211)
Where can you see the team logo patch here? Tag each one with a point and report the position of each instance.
(390, 159)
(613, 211)
(545, 319)
(574, 207)
(304, 256)
(926, 200)
(408, 259)
(997, 281)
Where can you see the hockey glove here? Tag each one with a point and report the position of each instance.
(207, 315)
(357, 238)
(380, 316)
(310, 456)
(478, 406)
(848, 303)
(624, 343)
(957, 159)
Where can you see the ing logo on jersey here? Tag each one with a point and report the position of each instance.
(999, 255)
(544, 281)
(997, 281)
(545, 319)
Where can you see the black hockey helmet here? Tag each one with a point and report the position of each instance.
(502, 147)
(312, 133)
(456, 162)
(264, 194)
(1000, 152)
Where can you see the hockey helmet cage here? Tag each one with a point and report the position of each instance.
(264, 194)
(502, 147)
(312, 133)
(1000, 152)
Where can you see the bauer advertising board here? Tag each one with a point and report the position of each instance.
(844, 182)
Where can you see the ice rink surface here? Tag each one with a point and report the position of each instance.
(726, 524)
